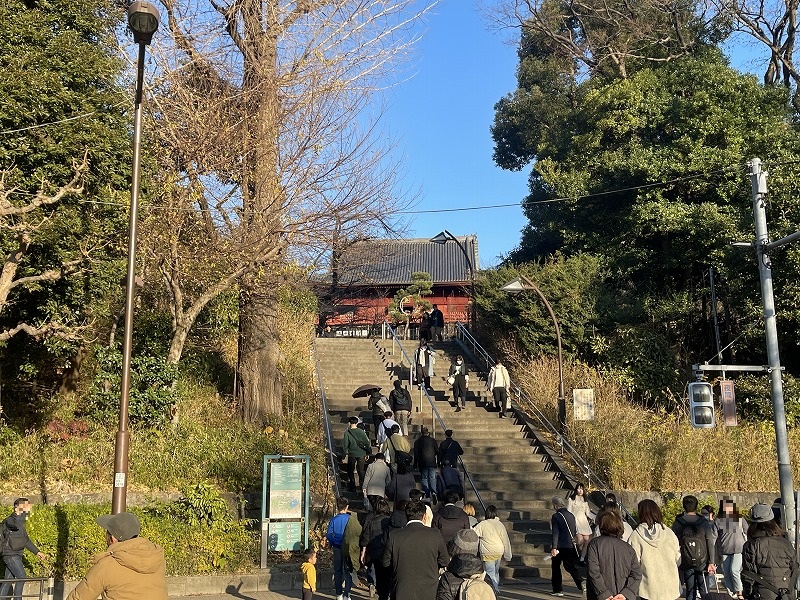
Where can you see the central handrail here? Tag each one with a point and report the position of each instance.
(328, 434)
(436, 412)
(567, 449)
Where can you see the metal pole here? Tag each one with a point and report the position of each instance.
(758, 181)
(714, 314)
(562, 403)
(471, 278)
(119, 496)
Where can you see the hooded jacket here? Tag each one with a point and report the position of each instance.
(449, 520)
(659, 557)
(129, 570)
(461, 567)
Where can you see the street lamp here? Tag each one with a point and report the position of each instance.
(520, 284)
(444, 237)
(143, 21)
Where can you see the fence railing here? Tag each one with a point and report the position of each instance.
(564, 447)
(45, 585)
(327, 419)
(389, 332)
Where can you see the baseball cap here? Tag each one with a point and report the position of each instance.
(122, 526)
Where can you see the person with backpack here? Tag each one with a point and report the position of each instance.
(464, 579)
(400, 399)
(342, 579)
(374, 535)
(696, 543)
(612, 566)
(15, 541)
(659, 554)
(355, 446)
(378, 404)
(769, 567)
(450, 449)
(450, 518)
(397, 448)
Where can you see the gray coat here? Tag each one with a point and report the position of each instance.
(613, 569)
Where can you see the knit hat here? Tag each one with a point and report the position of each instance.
(465, 542)
(122, 526)
(761, 513)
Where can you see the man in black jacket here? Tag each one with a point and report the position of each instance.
(426, 451)
(415, 554)
(563, 549)
(450, 519)
(450, 449)
(14, 542)
(697, 558)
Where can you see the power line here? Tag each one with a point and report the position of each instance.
(59, 122)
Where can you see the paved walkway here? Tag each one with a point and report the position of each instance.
(516, 589)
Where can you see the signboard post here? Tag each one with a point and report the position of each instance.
(583, 404)
(284, 504)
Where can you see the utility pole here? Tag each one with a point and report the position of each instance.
(758, 180)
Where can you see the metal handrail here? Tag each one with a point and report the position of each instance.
(45, 583)
(567, 449)
(438, 416)
(328, 434)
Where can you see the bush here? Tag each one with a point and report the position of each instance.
(69, 535)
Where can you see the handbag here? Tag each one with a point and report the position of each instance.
(451, 380)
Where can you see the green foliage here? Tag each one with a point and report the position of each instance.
(151, 388)
(412, 298)
(754, 401)
(70, 536)
(202, 506)
(673, 507)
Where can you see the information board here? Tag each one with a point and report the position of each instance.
(285, 504)
(583, 404)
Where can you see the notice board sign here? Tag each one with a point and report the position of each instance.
(583, 404)
(285, 504)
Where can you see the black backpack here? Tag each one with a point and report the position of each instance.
(401, 399)
(694, 552)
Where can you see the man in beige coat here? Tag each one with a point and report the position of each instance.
(132, 568)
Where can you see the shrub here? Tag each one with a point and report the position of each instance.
(69, 535)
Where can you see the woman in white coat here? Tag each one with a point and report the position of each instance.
(659, 554)
(579, 507)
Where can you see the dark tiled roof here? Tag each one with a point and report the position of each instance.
(391, 262)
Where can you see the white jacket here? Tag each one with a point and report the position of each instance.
(659, 555)
(493, 539)
(498, 377)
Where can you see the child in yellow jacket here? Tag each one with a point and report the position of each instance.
(309, 574)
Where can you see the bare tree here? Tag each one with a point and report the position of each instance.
(270, 153)
(24, 221)
(606, 36)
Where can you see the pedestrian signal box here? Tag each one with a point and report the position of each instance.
(701, 404)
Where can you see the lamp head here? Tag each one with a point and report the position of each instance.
(442, 238)
(143, 19)
(514, 287)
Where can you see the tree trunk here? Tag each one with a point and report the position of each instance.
(259, 389)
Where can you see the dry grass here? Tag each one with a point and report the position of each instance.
(639, 449)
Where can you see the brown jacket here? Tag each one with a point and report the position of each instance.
(129, 570)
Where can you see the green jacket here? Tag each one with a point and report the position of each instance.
(350, 545)
(350, 441)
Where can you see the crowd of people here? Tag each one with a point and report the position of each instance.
(412, 544)
(609, 560)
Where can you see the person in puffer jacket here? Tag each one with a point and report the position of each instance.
(461, 567)
(768, 554)
(450, 518)
(659, 554)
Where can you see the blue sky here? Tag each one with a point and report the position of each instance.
(441, 119)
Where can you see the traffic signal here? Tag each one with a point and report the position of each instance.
(701, 404)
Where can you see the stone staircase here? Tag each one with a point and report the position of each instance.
(506, 462)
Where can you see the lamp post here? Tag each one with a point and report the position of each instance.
(444, 237)
(143, 21)
(520, 284)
